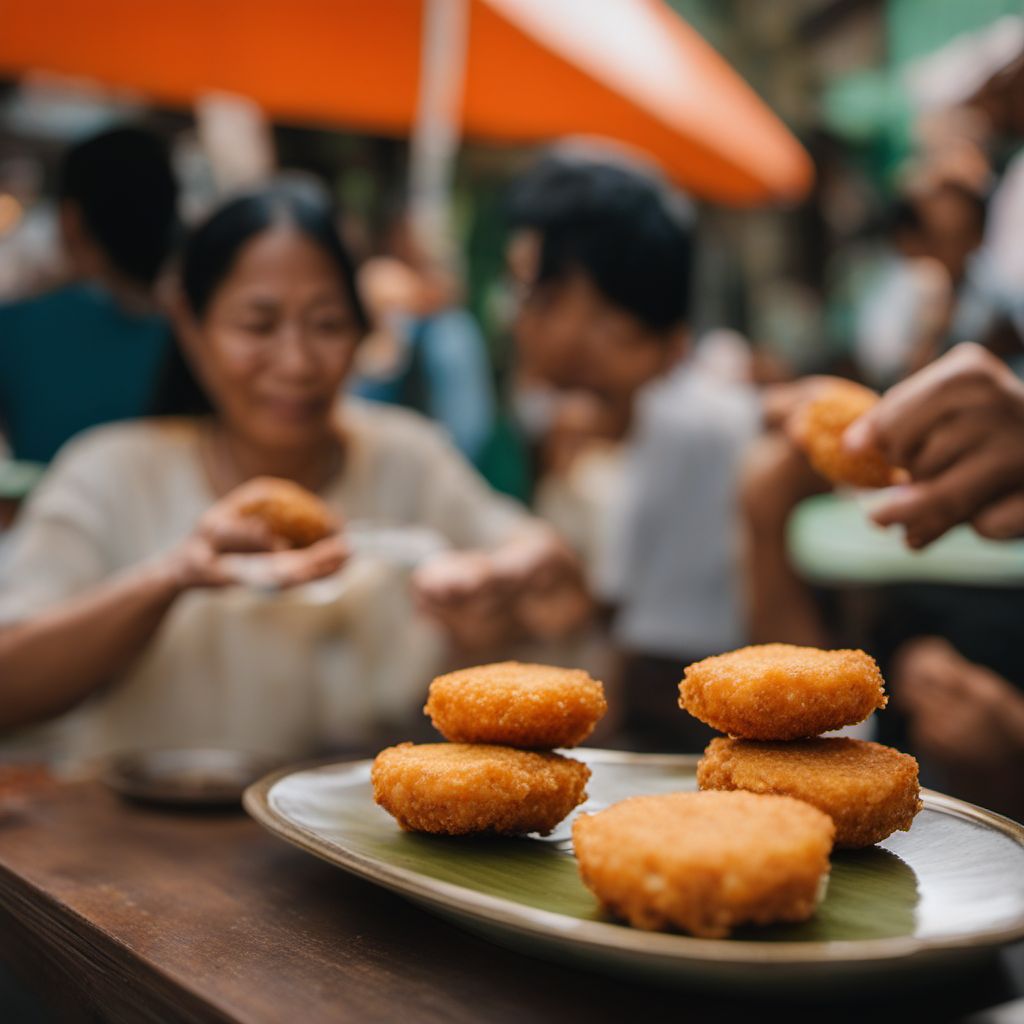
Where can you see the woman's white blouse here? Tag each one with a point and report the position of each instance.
(325, 664)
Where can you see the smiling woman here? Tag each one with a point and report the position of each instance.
(120, 619)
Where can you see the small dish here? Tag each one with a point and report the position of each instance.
(205, 777)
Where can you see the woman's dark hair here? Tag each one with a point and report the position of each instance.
(625, 230)
(122, 183)
(210, 252)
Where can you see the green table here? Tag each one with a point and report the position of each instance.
(832, 540)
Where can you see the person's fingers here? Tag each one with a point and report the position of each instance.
(442, 611)
(333, 550)
(459, 582)
(450, 587)
(253, 489)
(554, 567)
(1003, 519)
(217, 573)
(289, 568)
(227, 533)
(948, 442)
(901, 422)
(486, 602)
(465, 612)
(325, 556)
(321, 559)
(200, 566)
(519, 557)
(553, 614)
(900, 425)
(929, 508)
(441, 578)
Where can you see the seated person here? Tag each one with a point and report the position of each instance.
(603, 326)
(120, 624)
(90, 352)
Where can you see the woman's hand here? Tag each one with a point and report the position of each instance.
(550, 596)
(228, 547)
(466, 595)
(109, 625)
(957, 426)
(199, 563)
(530, 587)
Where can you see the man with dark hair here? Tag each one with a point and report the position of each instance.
(599, 245)
(603, 252)
(89, 352)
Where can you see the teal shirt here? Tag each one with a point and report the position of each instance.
(72, 359)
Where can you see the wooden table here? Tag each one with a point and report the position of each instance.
(117, 912)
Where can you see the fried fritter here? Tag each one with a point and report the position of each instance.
(516, 704)
(705, 862)
(459, 789)
(782, 692)
(819, 427)
(868, 790)
(288, 510)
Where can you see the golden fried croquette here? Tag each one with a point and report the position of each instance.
(517, 705)
(868, 790)
(819, 427)
(705, 862)
(459, 789)
(782, 692)
(288, 510)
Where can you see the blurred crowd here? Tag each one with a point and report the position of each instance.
(174, 363)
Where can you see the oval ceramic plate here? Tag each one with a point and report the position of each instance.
(949, 890)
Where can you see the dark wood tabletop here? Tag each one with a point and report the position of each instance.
(114, 911)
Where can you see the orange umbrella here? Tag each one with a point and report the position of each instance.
(630, 70)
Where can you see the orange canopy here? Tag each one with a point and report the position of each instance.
(630, 70)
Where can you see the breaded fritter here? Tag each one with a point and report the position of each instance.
(819, 426)
(288, 510)
(782, 692)
(705, 862)
(517, 705)
(868, 790)
(460, 789)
